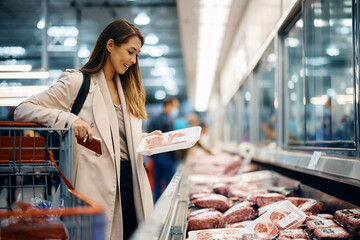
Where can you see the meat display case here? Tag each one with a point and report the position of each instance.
(168, 220)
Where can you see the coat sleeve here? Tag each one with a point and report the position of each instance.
(52, 107)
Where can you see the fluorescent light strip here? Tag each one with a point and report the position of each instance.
(211, 34)
(10, 102)
(21, 91)
(15, 68)
(24, 75)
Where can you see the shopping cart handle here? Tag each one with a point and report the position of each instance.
(19, 124)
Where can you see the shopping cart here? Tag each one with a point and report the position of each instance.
(32, 206)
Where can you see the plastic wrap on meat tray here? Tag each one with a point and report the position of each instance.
(284, 215)
(256, 236)
(216, 234)
(293, 234)
(169, 141)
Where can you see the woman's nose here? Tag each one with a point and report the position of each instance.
(133, 60)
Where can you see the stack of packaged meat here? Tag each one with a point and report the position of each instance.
(222, 202)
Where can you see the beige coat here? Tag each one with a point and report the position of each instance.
(95, 176)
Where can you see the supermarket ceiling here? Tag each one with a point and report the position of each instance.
(74, 26)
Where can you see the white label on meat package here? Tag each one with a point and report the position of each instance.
(179, 139)
(332, 230)
(350, 211)
(288, 220)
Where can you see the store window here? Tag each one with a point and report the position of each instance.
(318, 76)
(245, 97)
(264, 77)
(293, 84)
(329, 71)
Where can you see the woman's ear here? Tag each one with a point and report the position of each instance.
(110, 45)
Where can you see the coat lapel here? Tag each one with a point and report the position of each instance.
(105, 116)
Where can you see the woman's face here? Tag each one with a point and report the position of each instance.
(123, 56)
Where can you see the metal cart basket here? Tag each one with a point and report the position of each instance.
(29, 175)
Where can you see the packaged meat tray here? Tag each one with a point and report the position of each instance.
(293, 234)
(169, 141)
(312, 225)
(216, 234)
(205, 220)
(256, 236)
(331, 233)
(284, 215)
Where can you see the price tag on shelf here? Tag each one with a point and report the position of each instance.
(314, 160)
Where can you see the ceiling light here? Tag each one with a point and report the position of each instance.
(12, 51)
(70, 42)
(11, 102)
(41, 24)
(271, 58)
(292, 42)
(15, 68)
(213, 16)
(142, 19)
(319, 100)
(320, 23)
(345, 99)
(349, 90)
(62, 31)
(293, 97)
(247, 96)
(84, 52)
(151, 38)
(160, 94)
(21, 91)
(155, 51)
(332, 51)
(24, 75)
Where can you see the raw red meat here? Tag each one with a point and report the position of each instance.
(213, 201)
(161, 140)
(266, 227)
(297, 201)
(221, 188)
(312, 206)
(206, 220)
(239, 213)
(267, 198)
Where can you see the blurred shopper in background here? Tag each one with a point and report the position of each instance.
(113, 111)
(164, 163)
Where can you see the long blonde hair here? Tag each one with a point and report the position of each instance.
(121, 31)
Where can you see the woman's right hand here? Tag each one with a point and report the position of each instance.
(81, 129)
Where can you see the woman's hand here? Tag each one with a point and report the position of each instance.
(156, 132)
(82, 130)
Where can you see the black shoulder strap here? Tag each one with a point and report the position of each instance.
(82, 94)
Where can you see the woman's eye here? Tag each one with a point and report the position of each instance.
(130, 52)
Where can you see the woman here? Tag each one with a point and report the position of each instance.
(113, 110)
